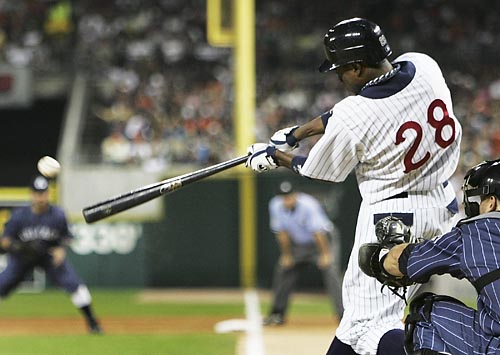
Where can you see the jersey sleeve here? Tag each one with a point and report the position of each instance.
(318, 220)
(275, 222)
(334, 156)
(12, 226)
(437, 256)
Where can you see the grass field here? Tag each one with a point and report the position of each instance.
(135, 322)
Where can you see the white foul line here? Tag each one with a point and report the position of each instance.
(254, 341)
(252, 325)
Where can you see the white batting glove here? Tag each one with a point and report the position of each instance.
(284, 139)
(261, 157)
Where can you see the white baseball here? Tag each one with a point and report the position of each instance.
(48, 167)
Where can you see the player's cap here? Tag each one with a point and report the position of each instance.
(286, 187)
(39, 183)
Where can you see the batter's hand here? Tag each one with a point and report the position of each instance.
(261, 157)
(284, 139)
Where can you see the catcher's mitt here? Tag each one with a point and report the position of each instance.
(370, 260)
(390, 231)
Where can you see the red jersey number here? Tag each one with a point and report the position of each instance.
(437, 124)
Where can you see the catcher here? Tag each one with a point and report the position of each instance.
(441, 324)
(36, 235)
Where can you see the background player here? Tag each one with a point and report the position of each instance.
(399, 133)
(37, 235)
(302, 231)
(440, 324)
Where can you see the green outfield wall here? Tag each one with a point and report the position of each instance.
(196, 242)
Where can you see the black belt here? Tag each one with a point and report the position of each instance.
(403, 194)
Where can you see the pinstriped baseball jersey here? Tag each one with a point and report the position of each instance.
(406, 141)
(471, 250)
(401, 138)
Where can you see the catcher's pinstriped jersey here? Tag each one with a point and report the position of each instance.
(471, 251)
(400, 136)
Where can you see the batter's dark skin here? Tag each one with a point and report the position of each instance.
(354, 76)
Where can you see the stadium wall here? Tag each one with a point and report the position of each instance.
(196, 242)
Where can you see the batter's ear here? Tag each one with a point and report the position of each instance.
(358, 68)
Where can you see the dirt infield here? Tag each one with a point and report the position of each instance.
(302, 334)
(118, 325)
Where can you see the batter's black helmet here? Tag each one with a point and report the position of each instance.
(352, 41)
(483, 179)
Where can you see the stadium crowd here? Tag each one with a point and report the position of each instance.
(161, 95)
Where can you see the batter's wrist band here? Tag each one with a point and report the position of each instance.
(271, 151)
(290, 138)
(297, 163)
(325, 117)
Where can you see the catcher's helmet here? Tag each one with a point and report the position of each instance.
(392, 229)
(354, 40)
(482, 179)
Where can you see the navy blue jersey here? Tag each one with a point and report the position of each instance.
(470, 250)
(49, 228)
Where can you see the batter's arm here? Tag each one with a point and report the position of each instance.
(309, 129)
(314, 127)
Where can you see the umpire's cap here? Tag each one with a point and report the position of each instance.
(286, 187)
(39, 183)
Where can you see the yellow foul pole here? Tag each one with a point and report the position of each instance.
(244, 111)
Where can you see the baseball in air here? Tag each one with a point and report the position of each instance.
(48, 167)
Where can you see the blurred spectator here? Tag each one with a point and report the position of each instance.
(150, 59)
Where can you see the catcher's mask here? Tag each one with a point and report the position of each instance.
(482, 180)
(392, 228)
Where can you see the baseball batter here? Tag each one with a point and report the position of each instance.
(399, 134)
(36, 236)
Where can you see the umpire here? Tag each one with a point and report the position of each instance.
(302, 229)
(36, 236)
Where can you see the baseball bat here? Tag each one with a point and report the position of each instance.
(147, 193)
